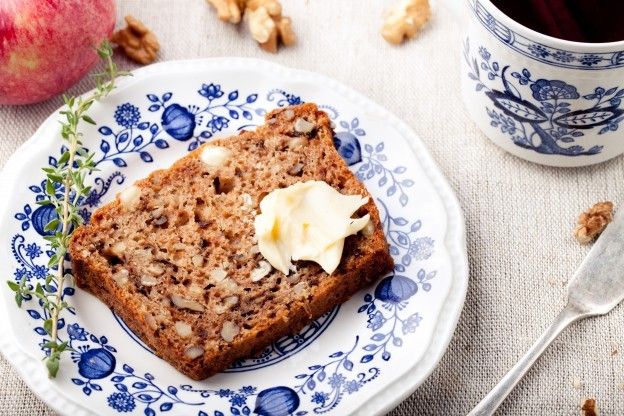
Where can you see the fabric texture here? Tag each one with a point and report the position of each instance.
(519, 216)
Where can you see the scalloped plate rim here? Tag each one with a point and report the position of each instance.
(393, 393)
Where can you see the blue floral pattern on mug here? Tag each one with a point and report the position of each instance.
(536, 113)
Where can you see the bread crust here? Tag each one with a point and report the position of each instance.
(266, 310)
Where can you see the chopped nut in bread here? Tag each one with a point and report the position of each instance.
(129, 196)
(184, 303)
(215, 156)
(183, 329)
(303, 126)
(194, 352)
(264, 268)
(229, 331)
(217, 275)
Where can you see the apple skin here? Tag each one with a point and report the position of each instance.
(46, 46)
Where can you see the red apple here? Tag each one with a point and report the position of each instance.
(46, 46)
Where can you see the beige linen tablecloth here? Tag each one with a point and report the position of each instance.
(519, 216)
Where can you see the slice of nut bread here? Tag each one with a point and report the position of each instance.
(175, 254)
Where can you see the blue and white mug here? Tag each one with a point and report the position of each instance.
(546, 100)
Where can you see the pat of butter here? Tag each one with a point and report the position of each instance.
(307, 221)
(215, 155)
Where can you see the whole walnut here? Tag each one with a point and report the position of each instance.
(137, 41)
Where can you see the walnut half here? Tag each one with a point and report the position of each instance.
(267, 25)
(229, 10)
(405, 20)
(593, 222)
(137, 41)
(264, 19)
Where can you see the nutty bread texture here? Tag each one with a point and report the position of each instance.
(175, 259)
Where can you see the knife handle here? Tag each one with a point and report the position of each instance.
(493, 400)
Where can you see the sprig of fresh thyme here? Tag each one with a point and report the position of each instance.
(65, 188)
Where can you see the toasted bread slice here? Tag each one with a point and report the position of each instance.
(173, 254)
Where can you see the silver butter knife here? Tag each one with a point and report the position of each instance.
(595, 289)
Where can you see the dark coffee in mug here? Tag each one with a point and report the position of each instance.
(577, 20)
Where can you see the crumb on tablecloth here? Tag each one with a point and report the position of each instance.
(577, 383)
(615, 349)
(589, 408)
(593, 222)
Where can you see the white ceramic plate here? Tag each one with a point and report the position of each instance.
(362, 358)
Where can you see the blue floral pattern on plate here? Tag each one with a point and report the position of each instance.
(387, 311)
